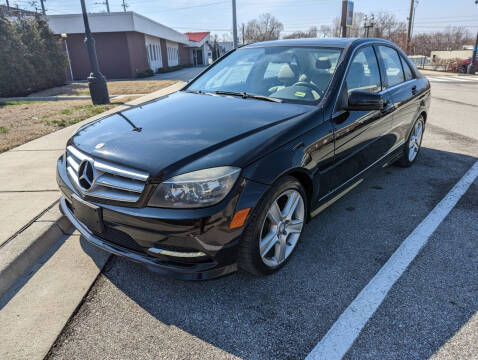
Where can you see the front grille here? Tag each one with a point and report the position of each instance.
(109, 181)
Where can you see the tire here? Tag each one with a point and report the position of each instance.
(261, 227)
(407, 158)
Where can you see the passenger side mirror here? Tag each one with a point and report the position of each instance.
(365, 100)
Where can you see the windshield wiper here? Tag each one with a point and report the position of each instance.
(199, 92)
(245, 95)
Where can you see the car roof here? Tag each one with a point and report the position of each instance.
(325, 42)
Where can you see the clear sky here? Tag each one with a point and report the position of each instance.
(215, 15)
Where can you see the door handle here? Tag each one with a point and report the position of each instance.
(414, 89)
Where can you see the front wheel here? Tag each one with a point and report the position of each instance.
(413, 145)
(274, 228)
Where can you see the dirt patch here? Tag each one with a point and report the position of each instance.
(118, 87)
(21, 122)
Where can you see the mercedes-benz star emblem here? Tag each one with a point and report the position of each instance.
(86, 174)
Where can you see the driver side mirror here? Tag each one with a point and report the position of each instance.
(365, 100)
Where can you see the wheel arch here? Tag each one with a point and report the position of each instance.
(305, 179)
(423, 114)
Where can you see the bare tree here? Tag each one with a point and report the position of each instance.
(226, 37)
(326, 31)
(266, 27)
(311, 33)
(452, 38)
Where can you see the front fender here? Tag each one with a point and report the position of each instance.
(306, 157)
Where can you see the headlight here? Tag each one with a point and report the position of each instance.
(195, 189)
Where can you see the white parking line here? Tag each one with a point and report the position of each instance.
(452, 78)
(341, 336)
(437, 79)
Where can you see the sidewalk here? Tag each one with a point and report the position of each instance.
(45, 268)
(27, 177)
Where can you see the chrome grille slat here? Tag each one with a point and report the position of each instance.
(73, 175)
(115, 182)
(111, 181)
(72, 162)
(78, 154)
(121, 171)
(112, 194)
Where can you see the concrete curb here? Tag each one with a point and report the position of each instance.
(19, 254)
(64, 97)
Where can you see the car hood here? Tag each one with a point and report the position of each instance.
(179, 128)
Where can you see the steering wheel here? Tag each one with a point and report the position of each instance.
(310, 86)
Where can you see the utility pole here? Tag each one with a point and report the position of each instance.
(234, 25)
(368, 25)
(347, 16)
(43, 11)
(124, 5)
(243, 33)
(96, 80)
(344, 19)
(104, 3)
(472, 67)
(8, 5)
(410, 24)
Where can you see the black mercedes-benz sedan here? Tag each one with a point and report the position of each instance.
(225, 173)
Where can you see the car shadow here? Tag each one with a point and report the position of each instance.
(284, 315)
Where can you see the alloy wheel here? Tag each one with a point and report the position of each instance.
(415, 140)
(281, 228)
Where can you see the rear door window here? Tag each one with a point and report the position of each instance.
(406, 70)
(393, 67)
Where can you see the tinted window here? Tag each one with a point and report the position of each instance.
(393, 67)
(407, 70)
(290, 73)
(363, 72)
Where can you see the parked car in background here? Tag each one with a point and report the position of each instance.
(462, 66)
(226, 172)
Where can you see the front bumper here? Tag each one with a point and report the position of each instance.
(194, 272)
(158, 238)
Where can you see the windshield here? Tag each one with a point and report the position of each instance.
(298, 74)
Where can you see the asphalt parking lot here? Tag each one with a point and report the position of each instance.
(431, 311)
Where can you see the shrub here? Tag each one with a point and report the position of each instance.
(169, 69)
(31, 57)
(144, 74)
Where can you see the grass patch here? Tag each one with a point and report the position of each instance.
(76, 113)
(12, 102)
(3, 130)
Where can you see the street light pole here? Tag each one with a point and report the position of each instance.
(234, 24)
(410, 22)
(472, 67)
(96, 80)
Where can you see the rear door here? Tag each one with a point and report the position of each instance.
(360, 136)
(401, 84)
